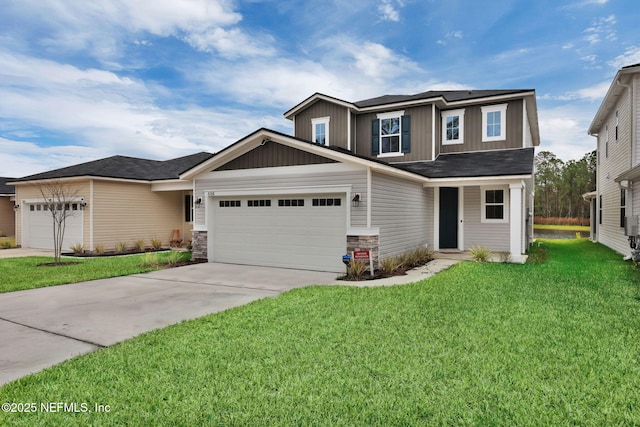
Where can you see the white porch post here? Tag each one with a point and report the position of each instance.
(515, 221)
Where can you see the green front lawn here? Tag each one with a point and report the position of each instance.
(561, 227)
(556, 343)
(26, 273)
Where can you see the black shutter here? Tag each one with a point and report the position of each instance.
(406, 134)
(375, 137)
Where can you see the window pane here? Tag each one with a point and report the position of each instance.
(390, 126)
(390, 144)
(495, 212)
(453, 128)
(494, 196)
(321, 137)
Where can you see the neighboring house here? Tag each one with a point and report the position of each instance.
(116, 200)
(447, 169)
(616, 200)
(7, 214)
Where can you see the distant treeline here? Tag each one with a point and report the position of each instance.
(560, 186)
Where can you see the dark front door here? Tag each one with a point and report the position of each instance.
(448, 218)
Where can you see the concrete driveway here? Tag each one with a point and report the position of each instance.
(43, 327)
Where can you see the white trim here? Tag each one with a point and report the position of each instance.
(433, 132)
(505, 204)
(91, 216)
(348, 129)
(354, 231)
(499, 108)
(393, 154)
(390, 115)
(477, 181)
(172, 185)
(451, 113)
(330, 168)
(369, 179)
(524, 125)
(515, 228)
(275, 191)
(320, 121)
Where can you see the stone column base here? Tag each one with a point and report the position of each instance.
(365, 243)
(199, 245)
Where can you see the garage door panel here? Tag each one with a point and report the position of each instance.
(305, 237)
(39, 228)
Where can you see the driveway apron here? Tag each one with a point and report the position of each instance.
(43, 327)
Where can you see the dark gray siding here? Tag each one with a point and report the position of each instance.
(337, 125)
(420, 135)
(272, 155)
(473, 130)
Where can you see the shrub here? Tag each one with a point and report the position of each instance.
(156, 243)
(421, 256)
(537, 254)
(480, 254)
(78, 248)
(121, 247)
(150, 260)
(389, 266)
(139, 244)
(6, 244)
(356, 269)
(99, 249)
(172, 258)
(2, 234)
(561, 221)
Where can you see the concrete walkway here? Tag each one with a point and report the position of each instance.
(45, 326)
(20, 252)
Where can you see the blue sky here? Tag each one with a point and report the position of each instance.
(81, 80)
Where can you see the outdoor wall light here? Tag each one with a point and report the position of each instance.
(198, 202)
(355, 202)
(16, 207)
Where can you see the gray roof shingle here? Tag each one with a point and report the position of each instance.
(448, 95)
(126, 168)
(475, 164)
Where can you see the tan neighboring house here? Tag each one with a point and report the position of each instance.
(445, 169)
(7, 214)
(115, 200)
(616, 201)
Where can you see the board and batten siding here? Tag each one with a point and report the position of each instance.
(125, 212)
(287, 178)
(612, 162)
(473, 130)
(337, 125)
(420, 135)
(494, 237)
(32, 191)
(400, 209)
(272, 154)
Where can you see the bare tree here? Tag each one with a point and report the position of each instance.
(58, 199)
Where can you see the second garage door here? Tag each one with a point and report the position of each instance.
(293, 231)
(39, 227)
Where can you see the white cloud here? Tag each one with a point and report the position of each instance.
(593, 93)
(601, 27)
(231, 43)
(388, 12)
(629, 57)
(563, 131)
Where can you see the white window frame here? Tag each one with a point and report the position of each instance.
(505, 203)
(500, 108)
(319, 121)
(391, 115)
(445, 116)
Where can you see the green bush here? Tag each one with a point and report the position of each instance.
(121, 247)
(356, 269)
(78, 248)
(140, 245)
(156, 243)
(99, 249)
(149, 260)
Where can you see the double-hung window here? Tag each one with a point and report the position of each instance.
(453, 127)
(320, 130)
(391, 134)
(494, 123)
(495, 204)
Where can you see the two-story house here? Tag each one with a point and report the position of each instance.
(447, 169)
(616, 201)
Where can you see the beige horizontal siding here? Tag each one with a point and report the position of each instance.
(126, 212)
(7, 217)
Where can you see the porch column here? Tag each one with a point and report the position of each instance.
(515, 222)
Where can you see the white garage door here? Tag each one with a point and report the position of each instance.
(39, 227)
(294, 231)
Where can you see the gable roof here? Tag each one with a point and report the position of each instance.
(512, 162)
(6, 189)
(123, 167)
(616, 89)
(446, 95)
(475, 164)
